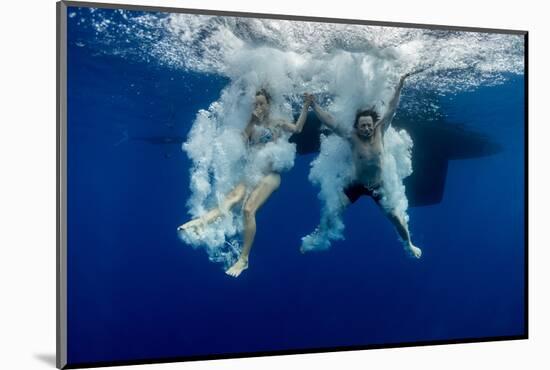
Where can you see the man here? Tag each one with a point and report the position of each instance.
(366, 140)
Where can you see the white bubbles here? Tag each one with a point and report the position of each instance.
(461, 60)
(277, 156)
(397, 166)
(219, 239)
(331, 171)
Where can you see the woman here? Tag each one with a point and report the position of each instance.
(260, 130)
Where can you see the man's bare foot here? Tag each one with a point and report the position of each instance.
(314, 241)
(237, 268)
(415, 251)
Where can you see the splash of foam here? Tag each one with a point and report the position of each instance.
(397, 166)
(332, 170)
(461, 60)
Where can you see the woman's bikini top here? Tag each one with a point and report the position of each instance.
(261, 135)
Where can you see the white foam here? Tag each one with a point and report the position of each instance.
(332, 170)
(397, 166)
(461, 60)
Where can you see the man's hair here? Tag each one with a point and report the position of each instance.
(265, 94)
(367, 112)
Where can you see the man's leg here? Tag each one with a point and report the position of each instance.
(403, 230)
(330, 228)
(257, 198)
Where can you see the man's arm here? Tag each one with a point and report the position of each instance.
(385, 121)
(327, 118)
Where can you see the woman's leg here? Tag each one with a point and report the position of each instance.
(257, 198)
(231, 199)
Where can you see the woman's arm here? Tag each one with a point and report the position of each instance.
(299, 125)
(247, 132)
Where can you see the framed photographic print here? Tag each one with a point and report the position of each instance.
(235, 184)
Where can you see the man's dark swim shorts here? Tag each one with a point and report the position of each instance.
(355, 190)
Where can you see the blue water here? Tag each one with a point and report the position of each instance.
(135, 291)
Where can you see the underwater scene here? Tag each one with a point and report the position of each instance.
(241, 185)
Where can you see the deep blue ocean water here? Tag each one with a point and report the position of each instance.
(135, 291)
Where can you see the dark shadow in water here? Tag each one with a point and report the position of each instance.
(47, 358)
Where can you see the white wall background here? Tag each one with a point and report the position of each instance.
(27, 196)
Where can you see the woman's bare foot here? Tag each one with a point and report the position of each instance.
(238, 267)
(194, 226)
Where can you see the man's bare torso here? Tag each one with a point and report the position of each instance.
(367, 158)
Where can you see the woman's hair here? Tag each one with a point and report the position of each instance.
(265, 94)
(364, 113)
